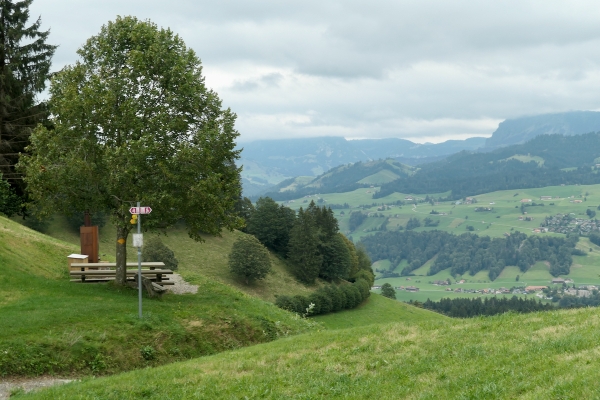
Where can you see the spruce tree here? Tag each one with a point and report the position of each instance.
(304, 248)
(24, 69)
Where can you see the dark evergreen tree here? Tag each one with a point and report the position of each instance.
(303, 250)
(10, 203)
(24, 69)
(271, 224)
(244, 208)
(337, 260)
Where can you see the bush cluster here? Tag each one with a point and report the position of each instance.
(330, 298)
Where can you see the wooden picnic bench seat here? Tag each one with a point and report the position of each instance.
(102, 272)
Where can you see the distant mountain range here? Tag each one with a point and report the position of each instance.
(546, 160)
(521, 130)
(270, 162)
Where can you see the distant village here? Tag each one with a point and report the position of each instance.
(567, 223)
(543, 292)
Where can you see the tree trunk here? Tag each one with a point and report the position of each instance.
(121, 274)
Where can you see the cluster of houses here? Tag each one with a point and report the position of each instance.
(502, 290)
(407, 288)
(567, 223)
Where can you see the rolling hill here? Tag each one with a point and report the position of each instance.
(53, 326)
(530, 356)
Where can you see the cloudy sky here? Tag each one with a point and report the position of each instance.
(421, 70)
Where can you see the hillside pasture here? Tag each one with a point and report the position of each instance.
(383, 176)
(53, 326)
(508, 356)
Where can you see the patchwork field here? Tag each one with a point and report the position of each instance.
(504, 217)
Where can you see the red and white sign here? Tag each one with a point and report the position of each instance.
(140, 210)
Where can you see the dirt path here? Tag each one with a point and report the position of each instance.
(6, 386)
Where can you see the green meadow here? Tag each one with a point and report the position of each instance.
(455, 218)
(529, 356)
(51, 326)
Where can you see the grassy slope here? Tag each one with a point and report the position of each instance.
(50, 325)
(196, 259)
(529, 356)
(377, 310)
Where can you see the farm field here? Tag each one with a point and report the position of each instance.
(503, 218)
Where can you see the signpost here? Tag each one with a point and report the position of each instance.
(138, 241)
(140, 210)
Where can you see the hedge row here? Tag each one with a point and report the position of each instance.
(331, 298)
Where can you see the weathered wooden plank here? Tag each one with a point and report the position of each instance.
(130, 272)
(114, 265)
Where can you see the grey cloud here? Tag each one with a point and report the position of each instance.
(370, 69)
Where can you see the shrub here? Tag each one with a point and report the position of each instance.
(286, 303)
(388, 291)
(155, 250)
(249, 259)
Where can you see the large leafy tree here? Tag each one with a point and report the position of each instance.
(133, 121)
(25, 59)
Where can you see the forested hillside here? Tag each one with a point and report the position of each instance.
(345, 178)
(546, 160)
(469, 253)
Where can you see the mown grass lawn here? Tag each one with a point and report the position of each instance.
(530, 356)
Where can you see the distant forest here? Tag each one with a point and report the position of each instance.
(467, 308)
(471, 173)
(468, 174)
(469, 253)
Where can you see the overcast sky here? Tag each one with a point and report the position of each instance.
(420, 70)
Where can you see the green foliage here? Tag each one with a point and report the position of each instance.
(25, 60)
(76, 220)
(337, 259)
(79, 330)
(469, 253)
(388, 291)
(304, 248)
(466, 308)
(413, 223)
(10, 203)
(244, 208)
(133, 121)
(249, 259)
(271, 224)
(356, 219)
(331, 298)
(155, 250)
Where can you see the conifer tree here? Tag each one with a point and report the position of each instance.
(304, 248)
(25, 59)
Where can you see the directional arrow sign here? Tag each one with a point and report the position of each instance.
(140, 210)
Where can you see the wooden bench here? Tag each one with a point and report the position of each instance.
(103, 272)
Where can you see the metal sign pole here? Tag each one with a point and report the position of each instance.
(139, 226)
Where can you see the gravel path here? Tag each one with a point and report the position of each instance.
(180, 287)
(28, 385)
